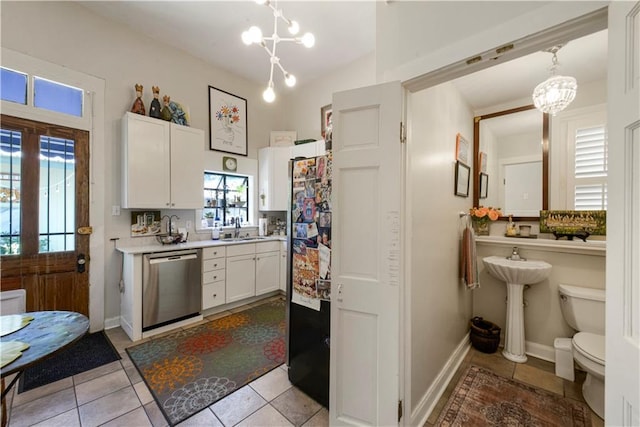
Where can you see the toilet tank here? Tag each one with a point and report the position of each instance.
(583, 308)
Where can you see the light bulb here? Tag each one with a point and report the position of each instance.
(269, 95)
(294, 28)
(254, 35)
(308, 40)
(290, 79)
(246, 38)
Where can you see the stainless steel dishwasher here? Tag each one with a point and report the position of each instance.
(171, 287)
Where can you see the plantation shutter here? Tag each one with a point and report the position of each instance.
(591, 168)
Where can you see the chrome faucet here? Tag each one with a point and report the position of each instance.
(515, 255)
(237, 232)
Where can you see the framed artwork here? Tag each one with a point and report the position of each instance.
(483, 162)
(462, 149)
(227, 122)
(282, 138)
(462, 179)
(325, 118)
(484, 185)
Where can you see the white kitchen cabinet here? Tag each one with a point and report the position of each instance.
(274, 178)
(240, 272)
(213, 277)
(273, 164)
(283, 266)
(267, 272)
(161, 164)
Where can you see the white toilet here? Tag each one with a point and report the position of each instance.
(584, 311)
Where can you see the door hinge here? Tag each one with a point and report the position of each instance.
(399, 410)
(403, 133)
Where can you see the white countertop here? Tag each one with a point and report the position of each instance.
(196, 244)
(591, 247)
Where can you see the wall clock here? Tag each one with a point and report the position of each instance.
(229, 164)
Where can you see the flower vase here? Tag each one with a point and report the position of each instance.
(481, 227)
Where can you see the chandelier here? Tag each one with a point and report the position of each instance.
(557, 92)
(254, 35)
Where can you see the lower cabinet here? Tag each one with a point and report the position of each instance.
(252, 269)
(213, 277)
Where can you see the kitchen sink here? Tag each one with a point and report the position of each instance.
(244, 239)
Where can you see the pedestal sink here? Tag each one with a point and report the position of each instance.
(516, 274)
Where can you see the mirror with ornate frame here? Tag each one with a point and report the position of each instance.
(530, 166)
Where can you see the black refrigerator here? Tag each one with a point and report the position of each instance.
(309, 276)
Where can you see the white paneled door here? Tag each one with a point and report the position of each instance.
(622, 377)
(366, 258)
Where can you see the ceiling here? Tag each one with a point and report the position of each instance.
(211, 30)
(344, 32)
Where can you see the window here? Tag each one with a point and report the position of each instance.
(47, 94)
(226, 199)
(10, 170)
(590, 170)
(14, 86)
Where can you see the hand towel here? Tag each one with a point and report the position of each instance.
(468, 260)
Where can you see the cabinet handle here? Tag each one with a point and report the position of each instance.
(173, 204)
(167, 203)
(215, 277)
(215, 295)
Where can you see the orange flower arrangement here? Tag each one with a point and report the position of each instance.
(483, 213)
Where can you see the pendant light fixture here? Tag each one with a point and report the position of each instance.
(254, 35)
(557, 92)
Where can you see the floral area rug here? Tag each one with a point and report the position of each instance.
(483, 398)
(189, 370)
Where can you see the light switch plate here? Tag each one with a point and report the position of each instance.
(115, 210)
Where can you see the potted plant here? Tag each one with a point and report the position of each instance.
(241, 191)
(209, 217)
(480, 218)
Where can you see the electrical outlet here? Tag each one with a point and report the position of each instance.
(188, 225)
(115, 210)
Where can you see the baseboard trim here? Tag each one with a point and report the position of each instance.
(540, 351)
(428, 402)
(112, 322)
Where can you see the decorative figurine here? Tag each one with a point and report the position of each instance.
(166, 112)
(155, 109)
(138, 105)
(177, 114)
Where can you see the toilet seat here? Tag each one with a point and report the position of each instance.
(590, 346)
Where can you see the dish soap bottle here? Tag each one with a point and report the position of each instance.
(511, 227)
(215, 233)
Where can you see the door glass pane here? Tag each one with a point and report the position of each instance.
(10, 146)
(57, 195)
(13, 86)
(57, 97)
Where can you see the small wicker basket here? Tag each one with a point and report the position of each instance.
(485, 335)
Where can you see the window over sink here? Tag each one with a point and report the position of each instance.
(226, 199)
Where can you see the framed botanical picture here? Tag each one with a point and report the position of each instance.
(227, 122)
(462, 149)
(462, 179)
(282, 138)
(483, 162)
(325, 118)
(484, 185)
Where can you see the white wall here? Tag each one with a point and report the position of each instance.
(440, 305)
(302, 106)
(92, 45)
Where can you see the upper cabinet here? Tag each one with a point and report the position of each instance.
(273, 192)
(161, 164)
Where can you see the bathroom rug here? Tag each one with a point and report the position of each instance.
(482, 398)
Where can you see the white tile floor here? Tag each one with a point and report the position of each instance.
(115, 395)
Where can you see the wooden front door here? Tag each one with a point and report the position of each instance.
(44, 203)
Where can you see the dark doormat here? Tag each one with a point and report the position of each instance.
(89, 352)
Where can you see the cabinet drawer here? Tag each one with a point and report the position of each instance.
(213, 295)
(244, 249)
(214, 252)
(213, 276)
(212, 264)
(268, 246)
